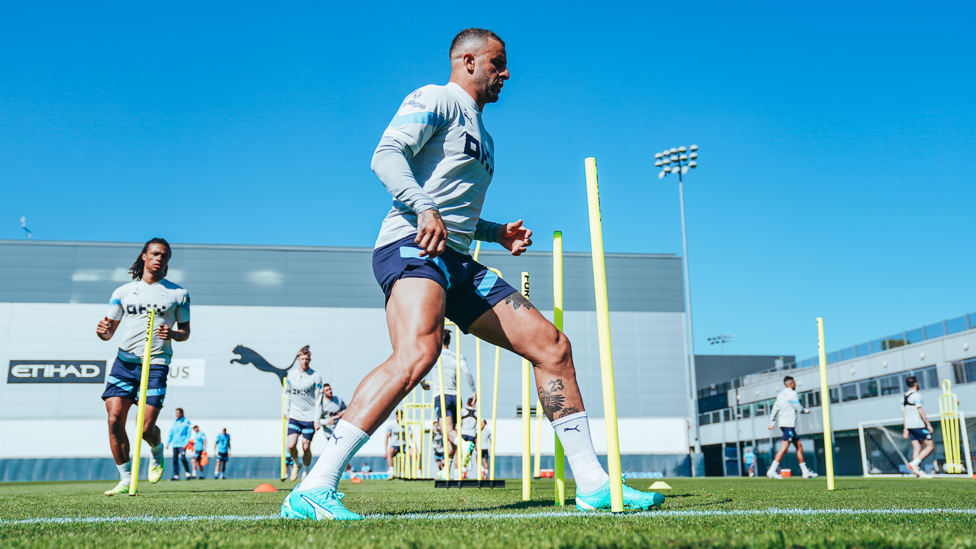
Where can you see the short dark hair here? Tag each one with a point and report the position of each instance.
(324, 385)
(447, 338)
(472, 34)
(911, 381)
(180, 410)
(787, 379)
(306, 350)
(139, 266)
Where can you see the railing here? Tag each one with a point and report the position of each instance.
(908, 337)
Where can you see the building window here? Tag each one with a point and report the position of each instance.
(956, 325)
(965, 370)
(933, 331)
(760, 409)
(848, 392)
(716, 417)
(813, 399)
(932, 376)
(847, 354)
(834, 395)
(746, 411)
(890, 385)
(869, 388)
(726, 413)
(704, 419)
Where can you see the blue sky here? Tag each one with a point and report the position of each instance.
(838, 142)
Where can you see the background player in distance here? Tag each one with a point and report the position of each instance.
(133, 301)
(394, 443)
(179, 437)
(451, 392)
(918, 429)
(199, 459)
(222, 452)
(786, 408)
(332, 409)
(749, 459)
(485, 448)
(303, 408)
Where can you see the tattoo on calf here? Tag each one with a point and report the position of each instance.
(569, 411)
(516, 300)
(552, 402)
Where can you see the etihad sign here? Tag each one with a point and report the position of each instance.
(56, 371)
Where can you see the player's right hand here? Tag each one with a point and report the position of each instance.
(103, 326)
(431, 233)
(770, 426)
(904, 434)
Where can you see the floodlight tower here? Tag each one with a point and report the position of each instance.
(721, 340)
(678, 160)
(23, 225)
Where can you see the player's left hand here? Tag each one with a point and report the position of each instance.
(317, 425)
(514, 237)
(164, 332)
(770, 426)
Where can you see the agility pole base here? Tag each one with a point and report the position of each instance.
(469, 484)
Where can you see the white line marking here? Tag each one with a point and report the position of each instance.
(501, 516)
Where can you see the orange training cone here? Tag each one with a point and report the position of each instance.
(265, 488)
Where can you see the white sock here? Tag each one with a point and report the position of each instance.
(774, 466)
(125, 471)
(574, 434)
(345, 441)
(916, 462)
(803, 467)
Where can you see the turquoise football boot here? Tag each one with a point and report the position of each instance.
(324, 504)
(633, 499)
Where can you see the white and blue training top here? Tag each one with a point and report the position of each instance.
(133, 302)
(786, 408)
(437, 154)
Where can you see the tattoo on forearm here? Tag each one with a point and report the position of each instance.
(516, 300)
(550, 400)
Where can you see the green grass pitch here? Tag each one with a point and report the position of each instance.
(697, 513)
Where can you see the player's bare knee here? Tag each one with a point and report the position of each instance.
(557, 356)
(416, 359)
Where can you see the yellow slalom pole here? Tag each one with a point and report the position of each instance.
(557, 318)
(141, 415)
(494, 404)
(284, 430)
(457, 418)
(825, 401)
(537, 469)
(603, 327)
(526, 414)
(494, 415)
(477, 405)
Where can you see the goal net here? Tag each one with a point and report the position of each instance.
(885, 453)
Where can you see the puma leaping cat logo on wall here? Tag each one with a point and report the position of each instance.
(250, 356)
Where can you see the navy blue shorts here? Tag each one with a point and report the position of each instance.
(123, 381)
(789, 434)
(468, 438)
(472, 289)
(304, 428)
(222, 456)
(450, 401)
(920, 435)
(197, 455)
(396, 450)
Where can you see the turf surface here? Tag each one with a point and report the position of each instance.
(693, 516)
